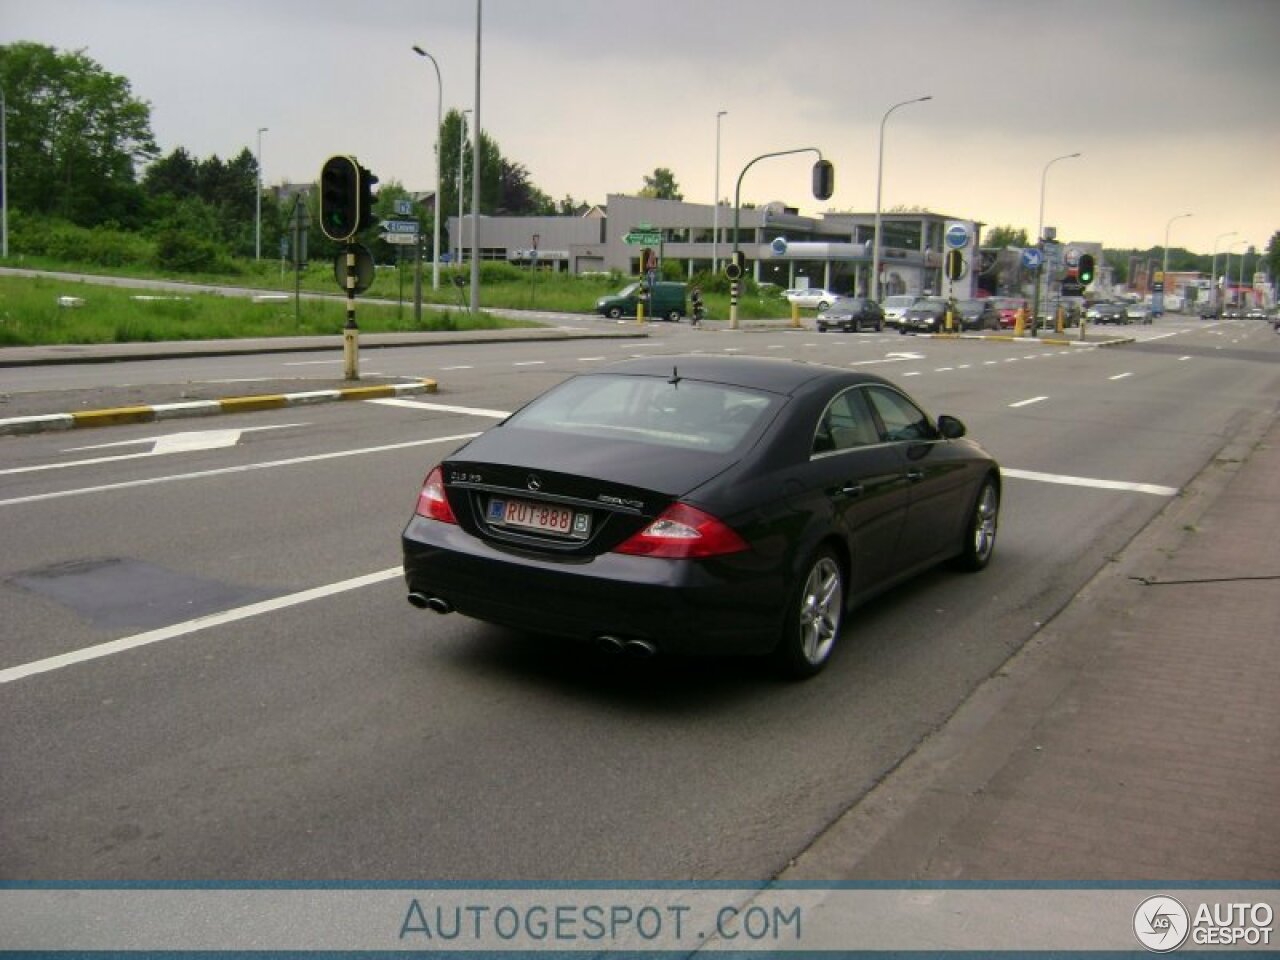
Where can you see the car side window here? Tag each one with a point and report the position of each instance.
(902, 419)
(846, 423)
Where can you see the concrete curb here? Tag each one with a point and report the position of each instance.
(200, 408)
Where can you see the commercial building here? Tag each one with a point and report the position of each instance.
(781, 246)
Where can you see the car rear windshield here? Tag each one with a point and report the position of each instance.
(664, 412)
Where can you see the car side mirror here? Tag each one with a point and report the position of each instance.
(951, 428)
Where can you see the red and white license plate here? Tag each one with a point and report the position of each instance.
(542, 517)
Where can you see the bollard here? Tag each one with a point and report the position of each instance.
(795, 314)
(1020, 322)
(1062, 319)
(947, 322)
(640, 313)
(1082, 336)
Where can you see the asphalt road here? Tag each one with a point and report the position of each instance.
(327, 730)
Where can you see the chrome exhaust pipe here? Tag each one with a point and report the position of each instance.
(436, 604)
(640, 649)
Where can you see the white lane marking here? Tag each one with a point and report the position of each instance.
(243, 468)
(1184, 358)
(1027, 403)
(1151, 488)
(460, 366)
(592, 359)
(528, 363)
(175, 443)
(111, 647)
(913, 373)
(441, 407)
(1120, 376)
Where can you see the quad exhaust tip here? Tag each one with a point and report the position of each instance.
(639, 649)
(436, 604)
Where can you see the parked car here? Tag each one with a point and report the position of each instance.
(1138, 313)
(1008, 308)
(852, 314)
(978, 314)
(700, 504)
(812, 298)
(1257, 313)
(1106, 311)
(896, 307)
(928, 315)
(1209, 311)
(665, 300)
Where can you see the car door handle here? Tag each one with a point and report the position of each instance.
(915, 476)
(852, 489)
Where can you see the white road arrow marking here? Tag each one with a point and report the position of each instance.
(186, 442)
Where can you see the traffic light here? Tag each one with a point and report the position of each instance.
(1085, 268)
(733, 269)
(954, 265)
(341, 198)
(824, 180)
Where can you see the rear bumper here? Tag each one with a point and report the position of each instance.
(680, 606)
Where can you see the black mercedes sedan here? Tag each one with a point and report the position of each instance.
(700, 504)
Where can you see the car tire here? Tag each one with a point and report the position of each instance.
(613, 313)
(981, 527)
(823, 305)
(815, 614)
(674, 316)
(822, 328)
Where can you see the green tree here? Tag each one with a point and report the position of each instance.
(662, 186)
(76, 136)
(1272, 257)
(1005, 237)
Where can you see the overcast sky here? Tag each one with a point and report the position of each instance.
(1173, 103)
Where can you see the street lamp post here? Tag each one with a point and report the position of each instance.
(1213, 271)
(257, 233)
(1040, 272)
(4, 176)
(435, 232)
(715, 215)
(1164, 267)
(462, 146)
(875, 240)
(475, 177)
(1226, 270)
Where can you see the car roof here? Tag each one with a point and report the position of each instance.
(775, 375)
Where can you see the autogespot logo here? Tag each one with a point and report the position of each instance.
(1161, 924)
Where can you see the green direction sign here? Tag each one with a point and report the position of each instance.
(644, 238)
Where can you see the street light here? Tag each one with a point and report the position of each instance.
(462, 146)
(1043, 177)
(475, 177)
(435, 234)
(1226, 270)
(1213, 269)
(875, 240)
(257, 233)
(715, 215)
(1040, 272)
(4, 177)
(1164, 267)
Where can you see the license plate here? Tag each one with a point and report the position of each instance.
(541, 517)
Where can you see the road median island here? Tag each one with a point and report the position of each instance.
(106, 416)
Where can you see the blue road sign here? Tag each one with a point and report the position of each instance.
(957, 236)
(1032, 258)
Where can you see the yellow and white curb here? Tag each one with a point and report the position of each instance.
(203, 408)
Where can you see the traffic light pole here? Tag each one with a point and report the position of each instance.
(350, 332)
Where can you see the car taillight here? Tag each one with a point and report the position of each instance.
(432, 503)
(683, 532)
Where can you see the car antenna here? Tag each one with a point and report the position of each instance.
(675, 377)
